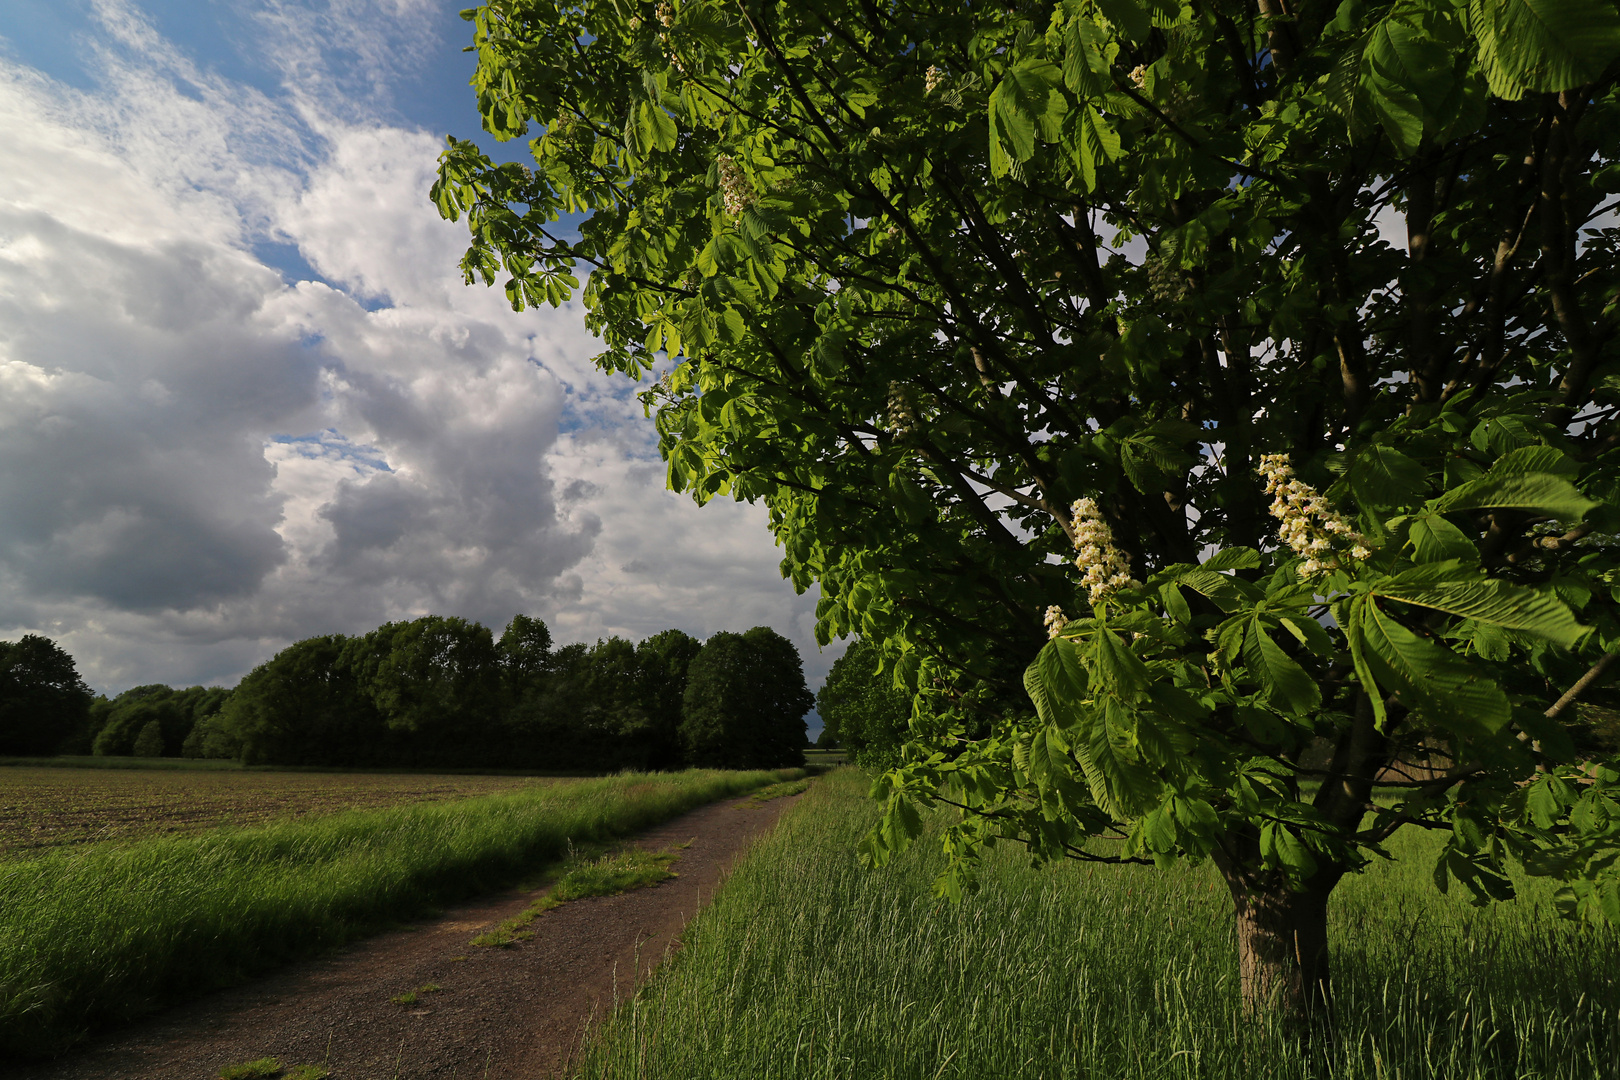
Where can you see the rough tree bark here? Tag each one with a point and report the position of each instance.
(1282, 950)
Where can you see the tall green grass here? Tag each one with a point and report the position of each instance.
(104, 933)
(808, 966)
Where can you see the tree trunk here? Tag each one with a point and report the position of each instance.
(1282, 951)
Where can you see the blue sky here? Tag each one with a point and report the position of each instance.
(244, 396)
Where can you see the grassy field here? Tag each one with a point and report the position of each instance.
(42, 807)
(98, 933)
(808, 966)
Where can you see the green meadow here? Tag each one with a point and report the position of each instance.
(100, 933)
(807, 965)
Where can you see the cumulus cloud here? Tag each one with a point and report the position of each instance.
(209, 456)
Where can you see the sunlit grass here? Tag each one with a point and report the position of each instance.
(586, 874)
(105, 932)
(808, 966)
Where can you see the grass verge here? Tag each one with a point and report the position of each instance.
(778, 791)
(582, 876)
(807, 965)
(106, 932)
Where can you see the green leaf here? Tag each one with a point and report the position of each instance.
(1263, 724)
(1431, 680)
(707, 263)
(1280, 847)
(1117, 669)
(1042, 766)
(1097, 142)
(1038, 84)
(1085, 67)
(1544, 45)
(1056, 682)
(1233, 558)
(1407, 52)
(1345, 79)
(1287, 686)
(1150, 461)
(1129, 18)
(1434, 539)
(1538, 493)
(1027, 102)
(1486, 600)
(1543, 802)
(1381, 476)
(1501, 435)
(1175, 603)
(1159, 831)
(1119, 783)
(1534, 459)
(1310, 633)
(655, 127)
(1227, 592)
(1399, 113)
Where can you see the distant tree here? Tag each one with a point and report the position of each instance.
(149, 743)
(665, 659)
(862, 710)
(43, 702)
(437, 682)
(208, 737)
(542, 725)
(304, 706)
(83, 739)
(745, 702)
(133, 710)
(525, 652)
(619, 711)
(212, 737)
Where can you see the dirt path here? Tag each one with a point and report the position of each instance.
(507, 1014)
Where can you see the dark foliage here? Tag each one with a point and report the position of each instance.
(43, 702)
(443, 692)
(436, 692)
(745, 702)
(862, 710)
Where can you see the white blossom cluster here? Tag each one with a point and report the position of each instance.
(1103, 567)
(735, 191)
(1310, 526)
(932, 78)
(666, 14)
(1055, 621)
(902, 420)
(1139, 77)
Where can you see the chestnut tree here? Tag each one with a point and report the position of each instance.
(1212, 407)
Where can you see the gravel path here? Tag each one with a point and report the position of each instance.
(510, 1014)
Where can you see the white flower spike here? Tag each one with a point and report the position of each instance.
(1310, 527)
(1103, 567)
(736, 193)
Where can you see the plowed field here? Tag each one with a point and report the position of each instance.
(47, 807)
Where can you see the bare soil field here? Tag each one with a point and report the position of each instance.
(43, 807)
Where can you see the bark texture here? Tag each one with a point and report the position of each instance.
(1283, 952)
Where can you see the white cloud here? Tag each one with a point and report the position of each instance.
(206, 461)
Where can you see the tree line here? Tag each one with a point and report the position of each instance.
(439, 692)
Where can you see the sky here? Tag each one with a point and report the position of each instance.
(245, 397)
